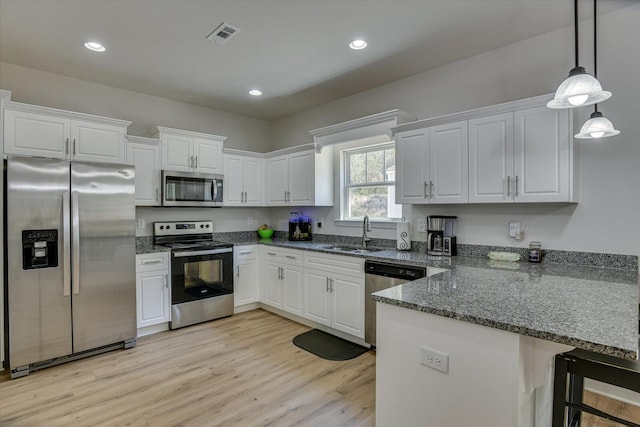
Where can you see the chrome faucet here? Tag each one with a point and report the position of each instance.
(365, 227)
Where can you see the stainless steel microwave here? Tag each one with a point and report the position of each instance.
(191, 189)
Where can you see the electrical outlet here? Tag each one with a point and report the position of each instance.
(141, 223)
(422, 225)
(434, 359)
(514, 229)
(250, 221)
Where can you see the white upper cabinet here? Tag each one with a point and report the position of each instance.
(144, 154)
(490, 158)
(543, 156)
(302, 178)
(523, 156)
(46, 132)
(518, 152)
(243, 179)
(432, 165)
(186, 151)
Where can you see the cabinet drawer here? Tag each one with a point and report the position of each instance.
(286, 256)
(242, 253)
(336, 264)
(152, 262)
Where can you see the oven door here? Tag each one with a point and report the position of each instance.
(191, 189)
(201, 274)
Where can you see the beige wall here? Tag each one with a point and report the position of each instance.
(145, 111)
(608, 171)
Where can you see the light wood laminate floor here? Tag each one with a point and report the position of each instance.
(239, 371)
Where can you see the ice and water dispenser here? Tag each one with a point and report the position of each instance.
(39, 249)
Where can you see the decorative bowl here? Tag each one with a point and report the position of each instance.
(265, 234)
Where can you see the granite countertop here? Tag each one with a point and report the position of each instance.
(149, 248)
(590, 308)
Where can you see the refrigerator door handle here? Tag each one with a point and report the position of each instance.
(75, 235)
(66, 244)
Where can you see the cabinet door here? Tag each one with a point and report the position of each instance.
(253, 181)
(292, 290)
(97, 142)
(491, 158)
(448, 163)
(542, 155)
(347, 294)
(317, 298)
(31, 134)
(271, 285)
(276, 180)
(301, 178)
(245, 286)
(177, 153)
(146, 159)
(412, 167)
(152, 297)
(208, 155)
(233, 181)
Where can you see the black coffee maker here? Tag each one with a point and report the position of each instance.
(299, 227)
(441, 235)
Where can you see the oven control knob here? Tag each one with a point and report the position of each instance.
(162, 227)
(207, 225)
(168, 227)
(201, 225)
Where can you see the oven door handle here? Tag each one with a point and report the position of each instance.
(204, 252)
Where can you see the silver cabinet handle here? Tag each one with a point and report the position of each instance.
(238, 271)
(66, 149)
(157, 194)
(425, 189)
(285, 196)
(196, 162)
(241, 197)
(516, 180)
(74, 146)
(245, 252)
(245, 197)
(280, 273)
(166, 281)
(291, 257)
(327, 284)
(149, 262)
(66, 243)
(508, 186)
(191, 162)
(430, 189)
(271, 253)
(331, 285)
(75, 236)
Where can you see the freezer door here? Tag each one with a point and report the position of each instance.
(39, 301)
(103, 248)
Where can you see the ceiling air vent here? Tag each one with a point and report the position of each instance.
(223, 33)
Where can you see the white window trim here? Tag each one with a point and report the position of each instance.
(365, 145)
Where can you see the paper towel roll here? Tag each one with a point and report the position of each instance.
(403, 238)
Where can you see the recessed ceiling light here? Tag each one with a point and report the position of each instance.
(358, 44)
(94, 46)
(255, 92)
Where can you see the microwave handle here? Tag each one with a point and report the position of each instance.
(214, 189)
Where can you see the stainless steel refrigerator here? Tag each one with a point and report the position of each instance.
(70, 233)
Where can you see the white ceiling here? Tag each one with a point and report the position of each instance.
(295, 51)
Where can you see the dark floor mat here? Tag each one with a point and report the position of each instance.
(328, 346)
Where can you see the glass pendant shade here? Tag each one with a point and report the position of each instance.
(578, 90)
(597, 127)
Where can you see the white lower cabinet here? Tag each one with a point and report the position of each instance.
(245, 283)
(324, 288)
(153, 299)
(335, 300)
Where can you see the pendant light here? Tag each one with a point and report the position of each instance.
(597, 126)
(580, 88)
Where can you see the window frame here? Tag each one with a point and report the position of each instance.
(346, 185)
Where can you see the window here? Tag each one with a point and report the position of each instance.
(369, 183)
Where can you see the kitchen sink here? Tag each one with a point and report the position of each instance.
(355, 249)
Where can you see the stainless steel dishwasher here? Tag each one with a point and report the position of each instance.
(379, 276)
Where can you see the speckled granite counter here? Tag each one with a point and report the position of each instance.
(590, 308)
(144, 246)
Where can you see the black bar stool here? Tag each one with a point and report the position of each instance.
(574, 366)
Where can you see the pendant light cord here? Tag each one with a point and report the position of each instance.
(575, 28)
(595, 44)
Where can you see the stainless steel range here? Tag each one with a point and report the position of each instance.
(201, 272)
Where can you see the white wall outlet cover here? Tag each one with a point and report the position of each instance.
(514, 228)
(434, 359)
(422, 225)
(141, 223)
